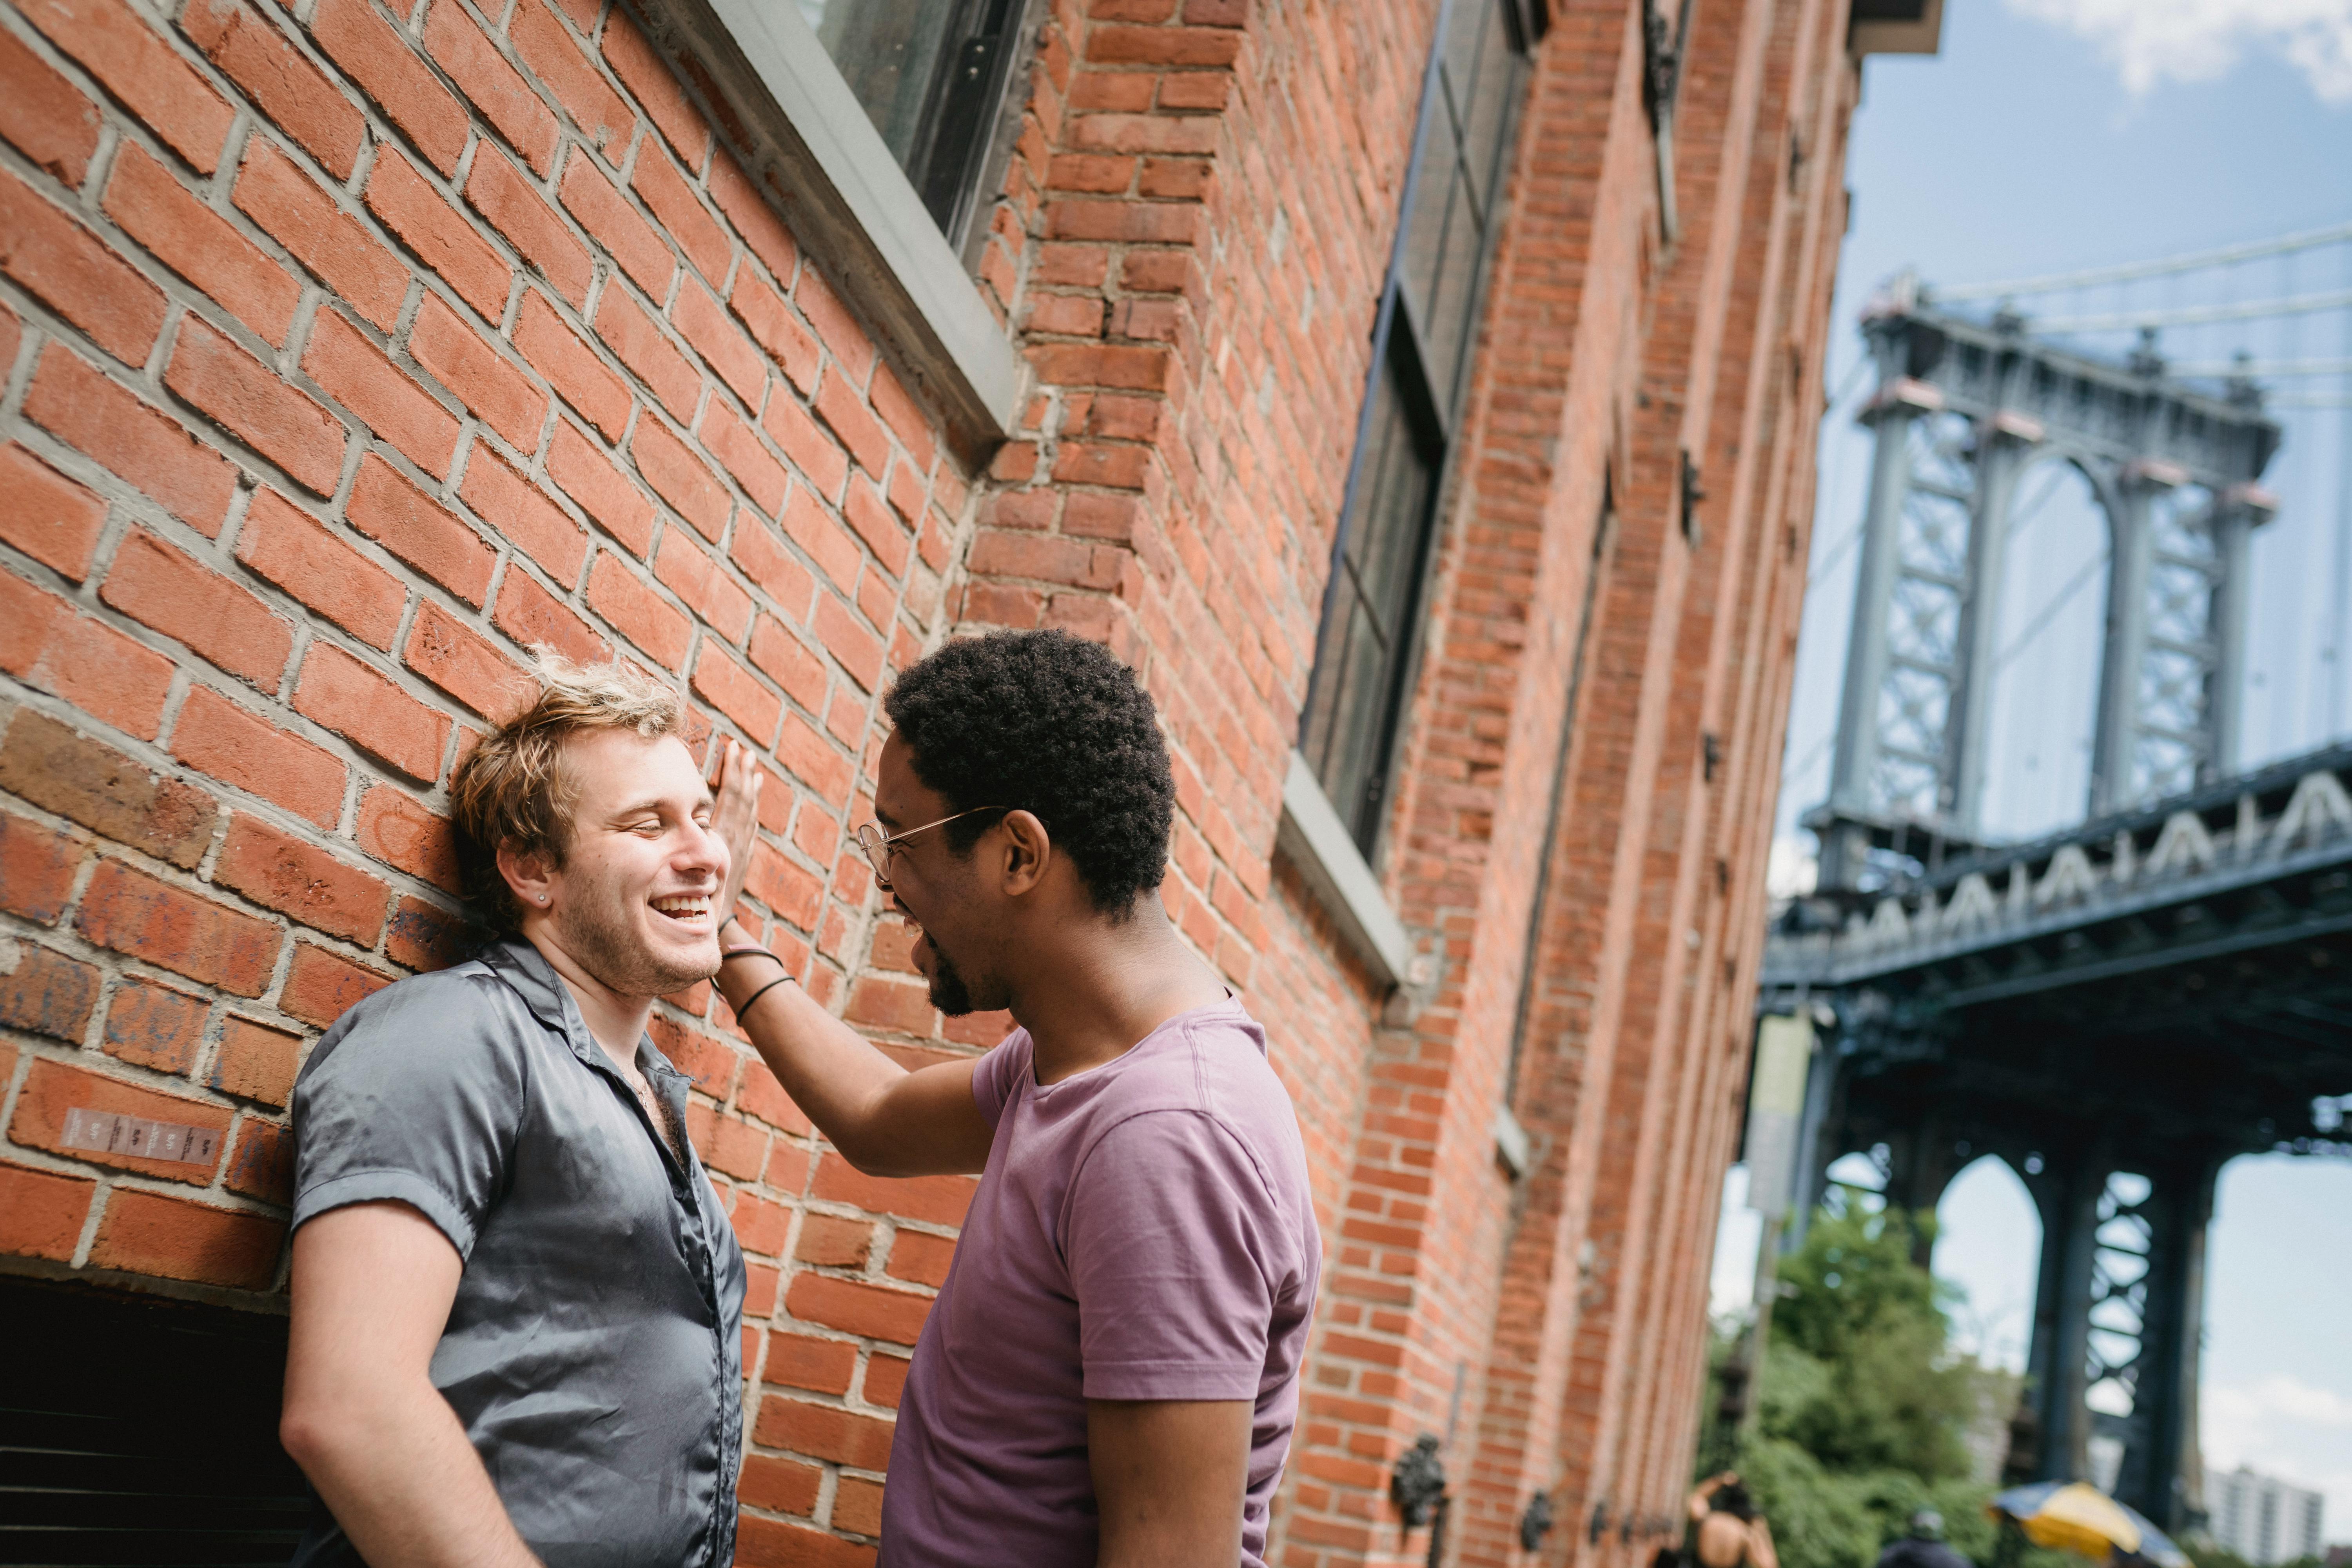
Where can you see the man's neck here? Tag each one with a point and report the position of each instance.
(1105, 988)
(616, 1021)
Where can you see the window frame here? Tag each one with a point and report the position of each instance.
(847, 201)
(1426, 410)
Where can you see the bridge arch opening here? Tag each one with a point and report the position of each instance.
(1989, 1243)
(2045, 683)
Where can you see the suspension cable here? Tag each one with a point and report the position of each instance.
(2189, 261)
(2193, 315)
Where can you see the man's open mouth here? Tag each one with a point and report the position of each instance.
(685, 906)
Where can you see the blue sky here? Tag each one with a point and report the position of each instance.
(2051, 135)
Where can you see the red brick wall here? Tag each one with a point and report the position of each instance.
(351, 351)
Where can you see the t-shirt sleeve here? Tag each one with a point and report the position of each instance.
(1177, 1254)
(995, 1074)
(417, 1100)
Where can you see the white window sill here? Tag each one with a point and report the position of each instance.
(848, 202)
(1318, 843)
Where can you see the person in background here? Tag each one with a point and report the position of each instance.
(1730, 1532)
(1923, 1546)
(1110, 1372)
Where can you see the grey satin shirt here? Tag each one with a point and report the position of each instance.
(594, 1352)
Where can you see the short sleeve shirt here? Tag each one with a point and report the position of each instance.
(1142, 1230)
(594, 1350)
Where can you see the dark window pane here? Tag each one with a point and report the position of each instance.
(931, 74)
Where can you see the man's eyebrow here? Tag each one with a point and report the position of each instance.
(656, 803)
(884, 817)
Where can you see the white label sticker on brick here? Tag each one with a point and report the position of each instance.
(111, 1132)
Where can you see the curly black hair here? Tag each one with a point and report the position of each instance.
(1054, 724)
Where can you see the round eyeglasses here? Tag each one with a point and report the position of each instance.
(879, 847)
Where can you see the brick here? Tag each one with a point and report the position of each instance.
(389, 69)
(736, 692)
(817, 456)
(680, 478)
(808, 756)
(797, 1361)
(44, 992)
(363, 378)
(422, 937)
(287, 546)
(638, 342)
(335, 246)
(173, 929)
(706, 589)
(38, 866)
(278, 80)
(139, 443)
(261, 1165)
(637, 612)
(421, 220)
(779, 1486)
(582, 471)
(525, 517)
(464, 664)
(216, 736)
(255, 1062)
(46, 515)
(52, 1088)
(874, 524)
(648, 78)
(845, 413)
(146, 1233)
(633, 243)
(570, 366)
(153, 1026)
(776, 330)
(898, 409)
(497, 190)
(856, 1506)
(132, 61)
(388, 509)
(158, 586)
(834, 323)
(771, 1543)
(934, 1200)
(763, 558)
(753, 216)
(97, 670)
(321, 986)
(72, 270)
(41, 1215)
(347, 697)
(530, 616)
(496, 88)
(921, 1259)
(299, 879)
(822, 1432)
(859, 651)
(46, 764)
(44, 116)
(662, 188)
(408, 836)
(785, 660)
(703, 323)
(250, 401)
(496, 392)
(787, 890)
(549, 54)
(885, 1379)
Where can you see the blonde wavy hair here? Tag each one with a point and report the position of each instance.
(512, 790)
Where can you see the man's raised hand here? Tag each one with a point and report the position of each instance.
(735, 779)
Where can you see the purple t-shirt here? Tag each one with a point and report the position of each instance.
(1143, 1231)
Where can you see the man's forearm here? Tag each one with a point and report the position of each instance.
(396, 1469)
(834, 1075)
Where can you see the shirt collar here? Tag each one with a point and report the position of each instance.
(526, 970)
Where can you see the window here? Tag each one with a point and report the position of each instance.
(1421, 350)
(930, 74)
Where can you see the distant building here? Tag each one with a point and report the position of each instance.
(2263, 1519)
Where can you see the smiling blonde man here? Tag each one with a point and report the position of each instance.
(517, 1302)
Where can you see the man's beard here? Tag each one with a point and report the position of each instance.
(949, 992)
(609, 949)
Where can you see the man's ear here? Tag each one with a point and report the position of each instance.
(1028, 852)
(528, 876)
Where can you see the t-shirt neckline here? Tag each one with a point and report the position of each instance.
(1172, 1021)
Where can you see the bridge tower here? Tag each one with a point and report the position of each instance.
(1986, 995)
(1963, 410)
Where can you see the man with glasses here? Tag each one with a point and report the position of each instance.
(1110, 1372)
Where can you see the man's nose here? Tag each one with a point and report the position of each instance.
(703, 849)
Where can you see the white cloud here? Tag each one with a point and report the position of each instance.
(2149, 41)
(2286, 1428)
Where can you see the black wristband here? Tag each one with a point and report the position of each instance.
(726, 953)
(762, 991)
